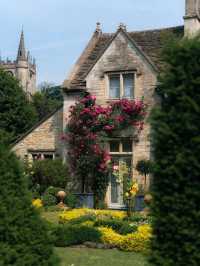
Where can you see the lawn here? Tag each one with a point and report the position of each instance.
(98, 257)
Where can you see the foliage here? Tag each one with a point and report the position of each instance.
(48, 99)
(88, 128)
(137, 241)
(82, 219)
(49, 200)
(5, 137)
(139, 218)
(47, 173)
(66, 216)
(17, 114)
(115, 230)
(176, 146)
(70, 235)
(23, 234)
(70, 200)
(110, 237)
(118, 225)
(37, 203)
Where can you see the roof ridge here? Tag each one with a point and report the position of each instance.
(157, 29)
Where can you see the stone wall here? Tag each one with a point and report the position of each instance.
(122, 55)
(45, 136)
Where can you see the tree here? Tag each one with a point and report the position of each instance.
(48, 99)
(23, 234)
(144, 167)
(176, 145)
(17, 114)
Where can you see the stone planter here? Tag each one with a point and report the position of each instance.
(85, 200)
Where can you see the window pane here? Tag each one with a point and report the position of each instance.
(127, 146)
(114, 190)
(114, 91)
(48, 156)
(128, 85)
(114, 146)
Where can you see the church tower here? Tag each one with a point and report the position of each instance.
(25, 68)
(192, 18)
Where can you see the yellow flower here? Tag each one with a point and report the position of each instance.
(109, 236)
(66, 216)
(37, 203)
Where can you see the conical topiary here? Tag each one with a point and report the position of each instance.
(24, 239)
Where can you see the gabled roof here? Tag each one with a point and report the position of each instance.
(149, 42)
(20, 138)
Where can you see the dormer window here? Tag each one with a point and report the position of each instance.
(121, 85)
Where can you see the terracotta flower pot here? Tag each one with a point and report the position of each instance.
(148, 198)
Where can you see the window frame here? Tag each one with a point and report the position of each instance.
(41, 154)
(120, 152)
(121, 79)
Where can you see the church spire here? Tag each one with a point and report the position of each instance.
(21, 55)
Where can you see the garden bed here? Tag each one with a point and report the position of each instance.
(100, 229)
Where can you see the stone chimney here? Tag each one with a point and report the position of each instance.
(192, 18)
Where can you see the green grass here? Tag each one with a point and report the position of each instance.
(98, 257)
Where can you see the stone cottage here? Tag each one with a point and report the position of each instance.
(116, 65)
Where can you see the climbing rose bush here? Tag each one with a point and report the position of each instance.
(89, 126)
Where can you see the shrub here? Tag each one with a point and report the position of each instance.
(49, 197)
(83, 219)
(53, 190)
(49, 173)
(71, 200)
(109, 236)
(176, 145)
(66, 235)
(138, 241)
(120, 226)
(127, 228)
(100, 214)
(49, 200)
(23, 234)
(139, 218)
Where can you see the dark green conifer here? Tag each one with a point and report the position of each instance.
(24, 240)
(176, 145)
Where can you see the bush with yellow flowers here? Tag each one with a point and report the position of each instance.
(109, 236)
(67, 216)
(138, 241)
(37, 203)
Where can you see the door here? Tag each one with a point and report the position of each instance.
(119, 178)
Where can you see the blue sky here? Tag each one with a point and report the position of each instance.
(56, 31)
